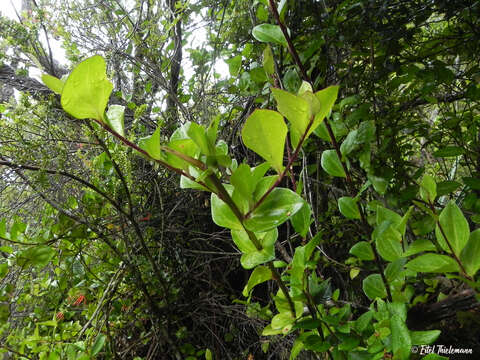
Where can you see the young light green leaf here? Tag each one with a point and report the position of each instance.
(268, 62)
(199, 136)
(470, 256)
(87, 90)
(331, 163)
(373, 287)
(257, 257)
(428, 189)
(115, 118)
(242, 241)
(434, 263)
(327, 98)
(424, 337)
(362, 250)
(222, 215)
(208, 354)
(151, 144)
(278, 207)
(258, 276)
(264, 132)
(295, 109)
(53, 83)
(243, 181)
(98, 345)
(455, 227)
(348, 207)
(269, 33)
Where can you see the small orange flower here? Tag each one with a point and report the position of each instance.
(79, 300)
(59, 316)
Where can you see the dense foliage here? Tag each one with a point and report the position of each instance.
(320, 200)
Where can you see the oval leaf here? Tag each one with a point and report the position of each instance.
(87, 90)
(455, 228)
(115, 118)
(470, 256)
(373, 287)
(331, 163)
(258, 276)
(264, 132)
(278, 206)
(348, 207)
(434, 263)
(269, 33)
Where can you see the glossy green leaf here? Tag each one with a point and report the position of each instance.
(269, 33)
(348, 207)
(331, 163)
(115, 118)
(388, 241)
(278, 207)
(302, 219)
(434, 263)
(424, 337)
(87, 90)
(258, 276)
(455, 227)
(265, 132)
(151, 144)
(401, 342)
(362, 250)
(243, 181)
(256, 257)
(428, 189)
(373, 287)
(470, 255)
(295, 109)
(53, 83)
(222, 215)
(98, 344)
(242, 241)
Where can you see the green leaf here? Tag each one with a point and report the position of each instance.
(199, 136)
(470, 256)
(379, 184)
(39, 256)
(3, 270)
(53, 83)
(242, 241)
(373, 287)
(269, 33)
(428, 189)
(222, 215)
(267, 253)
(455, 227)
(348, 207)
(258, 276)
(208, 354)
(401, 342)
(447, 187)
(151, 144)
(115, 118)
(243, 181)
(424, 337)
(449, 151)
(87, 90)
(98, 345)
(419, 246)
(264, 132)
(434, 263)
(278, 206)
(362, 250)
(331, 163)
(387, 240)
(268, 62)
(296, 110)
(363, 320)
(327, 98)
(302, 219)
(234, 65)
